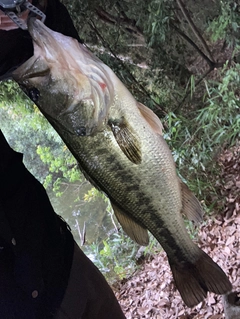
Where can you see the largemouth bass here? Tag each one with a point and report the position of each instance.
(118, 144)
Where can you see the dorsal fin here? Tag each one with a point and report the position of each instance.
(190, 204)
(151, 118)
(135, 231)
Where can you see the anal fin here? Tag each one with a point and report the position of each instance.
(190, 204)
(135, 231)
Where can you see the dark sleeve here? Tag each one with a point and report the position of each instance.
(16, 45)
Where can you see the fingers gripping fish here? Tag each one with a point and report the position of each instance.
(119, 146)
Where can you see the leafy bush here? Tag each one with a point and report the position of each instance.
(220, 119)
(226, 24)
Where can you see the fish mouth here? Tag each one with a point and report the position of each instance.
(46, 42)
(37, 29)
(46, 49)
(52, 45)
(32, 24)
(41, 35)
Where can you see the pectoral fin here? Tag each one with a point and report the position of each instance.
(135, 231)
(190, 204)
(151, 118)
(126, 140)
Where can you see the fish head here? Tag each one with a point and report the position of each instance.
(56, 78)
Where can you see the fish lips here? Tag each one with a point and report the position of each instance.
(39, 32)
(46, 42)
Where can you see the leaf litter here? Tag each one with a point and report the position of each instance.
(150, 292)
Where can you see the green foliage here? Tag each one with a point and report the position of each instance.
(93, 194)
(22, 110)
(220, 119)
(11, 94)
(192, 229)
(59, 161)
(114, 256)
(117, 256)
(157, 28)
(226, 24)
(196, 138)
(19, 119)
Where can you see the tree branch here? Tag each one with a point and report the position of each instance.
(128, 24)
(190, 41)
(194, 28)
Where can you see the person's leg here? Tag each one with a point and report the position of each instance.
(88, 295)
(35, 228)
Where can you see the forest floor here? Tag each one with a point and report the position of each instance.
(150, 292)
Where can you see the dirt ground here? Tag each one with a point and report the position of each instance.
(151, 293)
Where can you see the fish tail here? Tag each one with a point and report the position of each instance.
(194, 280)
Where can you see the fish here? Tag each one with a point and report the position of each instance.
(119, 145)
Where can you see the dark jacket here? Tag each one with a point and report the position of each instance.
(36, 247)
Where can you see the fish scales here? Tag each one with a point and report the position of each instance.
(120, 179)
(119, 146)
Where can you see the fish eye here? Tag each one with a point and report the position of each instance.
(34, 94)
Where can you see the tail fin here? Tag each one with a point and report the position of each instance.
(194, 280)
